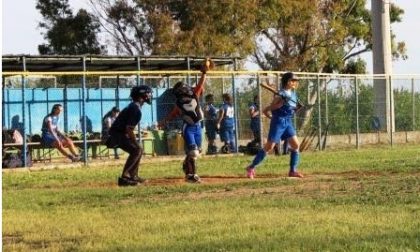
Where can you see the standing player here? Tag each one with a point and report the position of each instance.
(226, 124)
(210, 115)
(254, 113)
(188, 107)
(282, 109)
(122, 135)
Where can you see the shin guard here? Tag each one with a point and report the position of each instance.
(189, 165)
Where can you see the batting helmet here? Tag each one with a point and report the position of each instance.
(143, 92)
(287, 77)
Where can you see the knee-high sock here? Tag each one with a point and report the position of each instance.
(258, 158)
(294, 160)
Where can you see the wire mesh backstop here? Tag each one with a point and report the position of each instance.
(341, 111)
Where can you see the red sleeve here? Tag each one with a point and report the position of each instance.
(198, 90)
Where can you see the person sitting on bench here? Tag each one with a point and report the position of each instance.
(52, 137)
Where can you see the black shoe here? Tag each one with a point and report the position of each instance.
(193, 178)
(124, 181)
(139, 179)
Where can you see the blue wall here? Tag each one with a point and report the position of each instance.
(39, 102)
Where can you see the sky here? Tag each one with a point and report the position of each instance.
(21, 35)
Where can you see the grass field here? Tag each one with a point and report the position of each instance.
(365, 200)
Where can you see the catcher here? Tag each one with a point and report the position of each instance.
(282, 109)
(188, 107)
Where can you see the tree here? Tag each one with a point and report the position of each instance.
(126, 25)
(316, 36)
(66, 33)
(161, 27)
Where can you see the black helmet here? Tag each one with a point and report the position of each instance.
(287, 77)
(143, 92)
(181, 89)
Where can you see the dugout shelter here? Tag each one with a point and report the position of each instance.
(87, 86)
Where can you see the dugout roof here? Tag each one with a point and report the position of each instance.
(60, 63)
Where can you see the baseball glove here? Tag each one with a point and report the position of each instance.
(208, 64)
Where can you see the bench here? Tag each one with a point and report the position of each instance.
(42, 153)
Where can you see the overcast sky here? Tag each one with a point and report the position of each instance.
(21, 35)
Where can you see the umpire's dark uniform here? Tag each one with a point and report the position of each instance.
(122, 129)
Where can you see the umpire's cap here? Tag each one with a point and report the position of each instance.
(287, 77)
(143, 92)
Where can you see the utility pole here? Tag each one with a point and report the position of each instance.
(382, 64)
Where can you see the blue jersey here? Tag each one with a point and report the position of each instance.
(289, 107)
(256, 119)
(211, 112)
(229, 112)
(54, 123)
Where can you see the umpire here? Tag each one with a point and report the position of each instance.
(122, 135)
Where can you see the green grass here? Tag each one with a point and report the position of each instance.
(365, 200)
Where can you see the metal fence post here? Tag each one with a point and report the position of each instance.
(319, 112)
(260, 109)
(25, 146)
(189, 68)
(65, 106)
(235, 107)
(326, 105)
(391, 109)
(85, 147)
(3, 103)
(138, 83)
(356, 90)
(413, 104)
(117, 91)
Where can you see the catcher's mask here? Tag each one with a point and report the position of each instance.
(181, 89)
(143, 92)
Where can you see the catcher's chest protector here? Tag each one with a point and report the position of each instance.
(190, 108)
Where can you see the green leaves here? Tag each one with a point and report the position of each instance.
(66, 33)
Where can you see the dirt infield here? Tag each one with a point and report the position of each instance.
(309, 181)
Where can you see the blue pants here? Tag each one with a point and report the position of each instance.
(210, 130)
(228, 137)
(192, 136)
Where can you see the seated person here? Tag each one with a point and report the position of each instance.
(52, 137)
(107, 121)
(89, 134)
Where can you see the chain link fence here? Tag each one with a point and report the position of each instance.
(341, 111)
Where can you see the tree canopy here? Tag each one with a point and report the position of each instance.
(66, 33)
(306, 35)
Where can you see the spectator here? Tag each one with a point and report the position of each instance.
(107, 122)
(16, 124)
(52, 137)
(89, 134)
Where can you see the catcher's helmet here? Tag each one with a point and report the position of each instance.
(143, 92)
(287, 77)
(181, 89)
